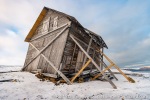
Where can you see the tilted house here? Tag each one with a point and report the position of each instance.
(59, 45)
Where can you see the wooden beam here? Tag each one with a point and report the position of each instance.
(102, 59)
(82, 42)
(107, 68)
(49, 75)
(88, 49)
(110, 72)
(104, 65)
(97, 36)
(47, 46)
(45, 33)
(74, 50)
(113, 85)
(93, 56)
(115, 66)
(52, 65)
(83, 67)
(73, 53)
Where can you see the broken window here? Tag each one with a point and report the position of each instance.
(46, 25)
(55, 23)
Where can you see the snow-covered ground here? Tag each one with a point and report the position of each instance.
(28, 87)
(4, 68)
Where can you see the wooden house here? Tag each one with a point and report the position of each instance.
(59, 45)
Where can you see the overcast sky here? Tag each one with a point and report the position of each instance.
(123, 24)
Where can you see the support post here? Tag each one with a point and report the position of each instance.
(107, 68)
(80, 71)
(52, 65)
(128, 78)
(46, 46)
(88, 49)
(104, 65)
(113, 85)
(49, 32)
(102, 59)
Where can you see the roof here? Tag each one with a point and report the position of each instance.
(42, 15)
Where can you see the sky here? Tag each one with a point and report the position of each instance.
(123, 24)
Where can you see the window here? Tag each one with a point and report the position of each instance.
(46, 25)
(39, 30)
(55, 23)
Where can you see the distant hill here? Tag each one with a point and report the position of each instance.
(145, 68)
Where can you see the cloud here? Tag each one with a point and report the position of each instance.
(11, 52)
(124, 25)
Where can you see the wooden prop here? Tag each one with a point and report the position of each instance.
(46, 46)
(49, 32)
(93, 49)
(128, 78)
(80, 71)
(108, 67)
(104, 65)
(88, 49)
(110, 71)
(88, 56)
(52, 65)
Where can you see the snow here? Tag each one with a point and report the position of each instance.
(28, 87)
(4, 68)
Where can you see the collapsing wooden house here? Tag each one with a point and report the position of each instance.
(60, 46)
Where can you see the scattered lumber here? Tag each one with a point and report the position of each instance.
(85, 77)
(9, 71)
(9, 80)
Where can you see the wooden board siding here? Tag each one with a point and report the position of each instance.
(50, 16)
(30, 54)
(84, 37)
(54, 52)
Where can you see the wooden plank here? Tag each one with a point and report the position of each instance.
(49, 75)
(104, 65)
(101, 64)
(48, 53)
(36, 61)
(83, 67)
(102, 72)
(88, 49)
(47, 45)
(82, 42)
(93, 56)
(79, 60)
(52, 65)
(59, 72)
(44, 34)
(115, 65)
(110, 71)
(58, 48)
(113, 85)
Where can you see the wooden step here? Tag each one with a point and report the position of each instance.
(49, 75)
(39, 70)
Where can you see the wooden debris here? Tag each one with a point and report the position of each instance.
(9, 80)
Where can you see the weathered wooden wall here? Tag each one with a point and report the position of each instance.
(63, 51)
(73, 57)
(55, 50)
